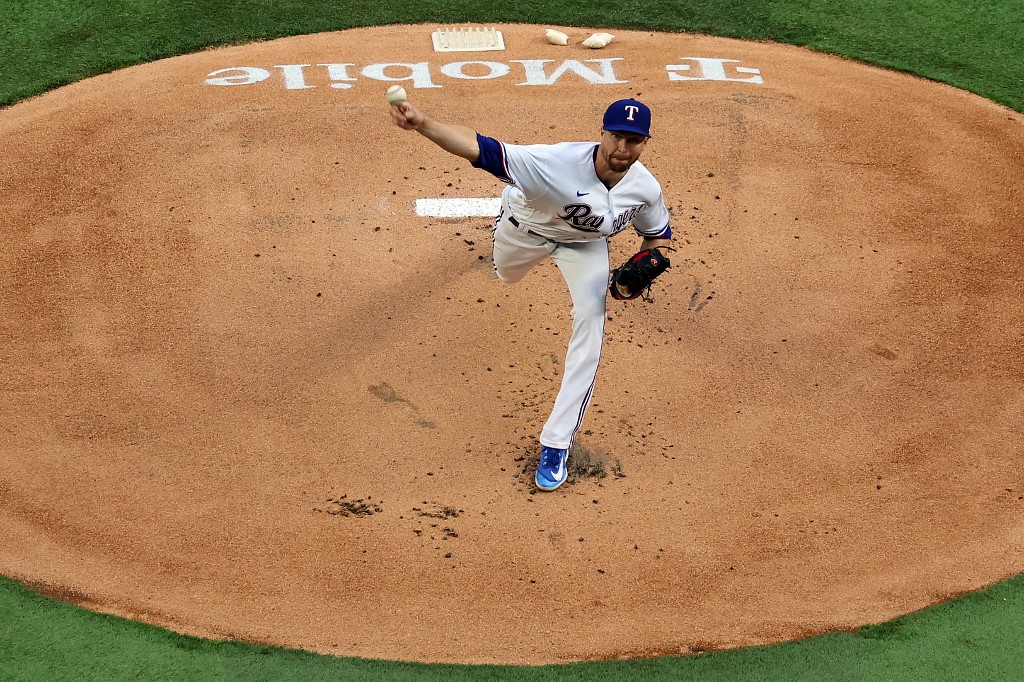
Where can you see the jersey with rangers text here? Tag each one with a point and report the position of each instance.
(553, 190)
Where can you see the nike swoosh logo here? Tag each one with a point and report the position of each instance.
(560, 470)
(581, 194)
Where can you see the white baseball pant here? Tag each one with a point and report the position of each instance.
(585, 268)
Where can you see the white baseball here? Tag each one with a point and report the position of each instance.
(396, 94)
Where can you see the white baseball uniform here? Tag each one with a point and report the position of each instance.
(555, 205)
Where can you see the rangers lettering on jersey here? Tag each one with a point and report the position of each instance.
(580, 216)
(624, 219)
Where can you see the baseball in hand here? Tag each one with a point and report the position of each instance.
(396, 94)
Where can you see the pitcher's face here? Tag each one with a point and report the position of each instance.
(620, 150)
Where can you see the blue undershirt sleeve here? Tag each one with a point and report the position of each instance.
(492, 158)
(665, 233)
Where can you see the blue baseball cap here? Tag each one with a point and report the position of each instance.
(628, 116)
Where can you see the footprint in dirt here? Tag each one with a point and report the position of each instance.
(384, 391)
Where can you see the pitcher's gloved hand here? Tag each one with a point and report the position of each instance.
(633, 278)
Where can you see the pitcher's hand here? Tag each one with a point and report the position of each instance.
(406, 116)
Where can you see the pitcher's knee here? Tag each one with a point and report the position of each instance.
(592, 309)
(507, 277)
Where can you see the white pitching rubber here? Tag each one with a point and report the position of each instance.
(598, 40)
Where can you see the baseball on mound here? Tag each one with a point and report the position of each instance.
(396, 94)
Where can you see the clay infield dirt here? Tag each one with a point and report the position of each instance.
(248, 392)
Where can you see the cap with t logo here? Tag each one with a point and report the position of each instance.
(628, 116)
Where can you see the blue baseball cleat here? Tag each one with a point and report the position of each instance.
(552, 470)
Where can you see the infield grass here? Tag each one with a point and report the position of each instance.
(977, 46)
(977, 637)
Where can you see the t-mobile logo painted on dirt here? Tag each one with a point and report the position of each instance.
(528, 72)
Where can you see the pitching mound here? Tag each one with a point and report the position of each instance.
(250, 391)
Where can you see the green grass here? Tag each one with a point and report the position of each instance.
(977, 637)
(47, 43)
(977, 46)
(980, 49)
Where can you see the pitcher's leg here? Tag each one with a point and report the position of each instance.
(515, 252)
(585, 269)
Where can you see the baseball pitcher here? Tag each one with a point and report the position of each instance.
(564, 201)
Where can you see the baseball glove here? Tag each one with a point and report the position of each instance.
(633, 278)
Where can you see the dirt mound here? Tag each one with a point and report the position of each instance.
(249, 392)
